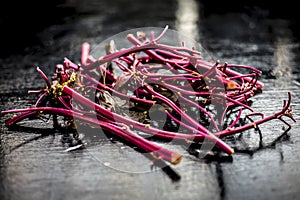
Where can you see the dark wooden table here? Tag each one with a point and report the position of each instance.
(33, 161)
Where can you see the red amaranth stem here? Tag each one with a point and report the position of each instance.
(209, 136)
(124, 133)
(15, 119)
(286, 111)
(69, 64)
(44, 77)
(206, 65)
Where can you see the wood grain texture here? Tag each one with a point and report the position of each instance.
(34, 165)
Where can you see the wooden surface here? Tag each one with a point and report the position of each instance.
(33, 161)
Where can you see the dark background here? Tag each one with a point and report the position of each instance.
(33, 164)
(23, 21)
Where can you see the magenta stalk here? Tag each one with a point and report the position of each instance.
(125, 133)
